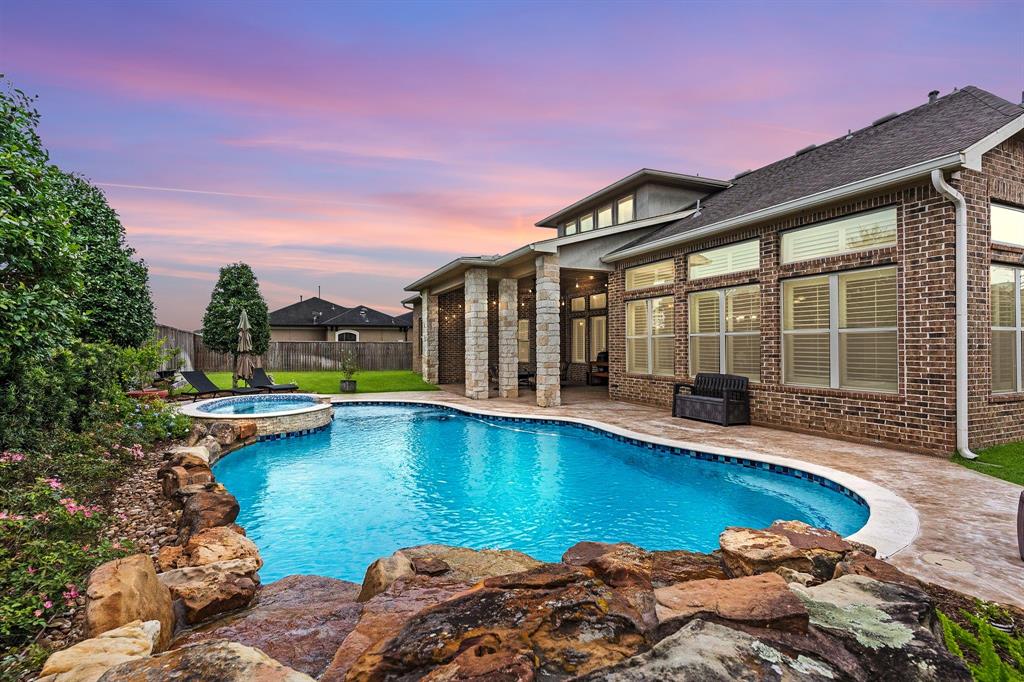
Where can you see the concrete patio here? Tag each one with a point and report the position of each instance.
(967, 536)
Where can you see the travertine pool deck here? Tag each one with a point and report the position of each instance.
(967, 536)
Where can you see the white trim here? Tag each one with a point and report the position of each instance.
(345, 331)
(973, 154)
(194, 409)
(836, 193)
(892, 525)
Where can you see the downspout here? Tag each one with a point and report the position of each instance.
(958, 201)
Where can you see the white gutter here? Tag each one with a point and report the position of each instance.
(958, 201)
(836, 193)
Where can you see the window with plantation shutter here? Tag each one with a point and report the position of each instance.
(724, 260)
(860, 232)
(652, 275)
(840, 331)
(725, 331)
(598, 335)
(650, 336)
(1007, 301)
(579, 339)
(523, 340)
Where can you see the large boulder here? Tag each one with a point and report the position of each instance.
(211, 507)
(87, 660)
(859, 563)
(789, 544)
(300, 621)
(212, 589)
(216, 661)
(199, 432)
(452, 564)
(224, 433)
(126, 590)
(553, 621)
(708, 652)
(613, 562)
(207, 547)
(213, 447)
(386, 614)
(174, 477)
(759, 601)
(180, 455)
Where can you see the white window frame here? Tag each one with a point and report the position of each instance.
(346, 331)
(1018, 273)
(722, 333)
(848, 222)
(1005, 207)
(668, 282)
(834, 331)
(728, 250)
(648, 337)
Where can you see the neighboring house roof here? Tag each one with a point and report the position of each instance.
(405, 319)
(945, 126)
(318, 312)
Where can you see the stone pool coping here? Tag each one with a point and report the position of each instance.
(195, 409)
(892, 525)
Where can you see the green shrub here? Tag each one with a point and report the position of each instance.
(991, 654)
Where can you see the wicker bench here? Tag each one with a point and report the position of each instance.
(720, 398)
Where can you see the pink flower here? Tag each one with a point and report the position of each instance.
(32, 570)
(54, 483)
(71, 594)
(8, 516)
(37, 613)
(47, 604)
(11, 457)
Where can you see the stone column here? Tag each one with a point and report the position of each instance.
(549, 392)
(430, 346)
(508, 339)
(476, 334)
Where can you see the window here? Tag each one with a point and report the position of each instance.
(523, 340)
(604, 216)
(570, 227)
(650, 336)
(598, 335)
(624, 209)
(598, 301)
(578, 304)
(839, 330)
(586, 222)
(579, 339)
(846, 235)
(725, 260)
(1008, 225)
(1007, 300)
(346, 335)
(725, 331)
(646, 276)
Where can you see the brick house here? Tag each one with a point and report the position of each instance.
(316, 319)
(871, 288)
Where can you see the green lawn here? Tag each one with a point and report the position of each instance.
(327, 382)
(1002, 461)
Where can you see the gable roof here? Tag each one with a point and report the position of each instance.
(361, 316)
(949, 125)
(405, 319)
(301, 313)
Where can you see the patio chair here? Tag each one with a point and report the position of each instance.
(720, 398)
(261, 381)
(204, 387)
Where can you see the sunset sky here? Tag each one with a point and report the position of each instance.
(358, 146)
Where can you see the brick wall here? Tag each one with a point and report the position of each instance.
(451, 337)
(577, 372)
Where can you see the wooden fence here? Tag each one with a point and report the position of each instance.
(292, 356)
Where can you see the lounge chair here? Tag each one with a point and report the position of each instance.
(262, 382)
(205, 387)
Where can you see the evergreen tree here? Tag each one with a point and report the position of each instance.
(236, 288)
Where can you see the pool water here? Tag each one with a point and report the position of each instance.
(385, 477)
(261, 404)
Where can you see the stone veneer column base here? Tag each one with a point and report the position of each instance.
(508, 338)
(477, 381)
(549, 390)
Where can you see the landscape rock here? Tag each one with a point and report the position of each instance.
(209, 546)
(553, 621)
(789, 544)
(181, 455)
(213, 447)
(385, 614)
(613, 562)
(224, 433)
(707, 652)
(198, 433)
(889, 628)
(791, 576)
(216, 661)
(300, 621)
(212, 589)
(87, 660)
(858, 563)
(463, 565)
(126, 590)
(208, 508)
(175, 477)
(759, 601)
(246, 430)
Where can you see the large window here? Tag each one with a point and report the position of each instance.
(859, 232)
(1007, 302)
(650, 336)
(598, 335)
(652, 275)
(604, 216)
(724, 260)
(523, 340)
(624, 209)
(570, 227)
(1007, 225)
(579, 339)
(839, 330)
(725, 331)
(587, 222)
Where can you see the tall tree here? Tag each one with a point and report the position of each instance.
(115, 300)
(236, 288)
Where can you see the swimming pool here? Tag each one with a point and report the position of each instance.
(386, 476)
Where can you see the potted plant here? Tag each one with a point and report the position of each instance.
(348, 366)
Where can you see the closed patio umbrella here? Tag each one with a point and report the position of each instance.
(245, 361)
